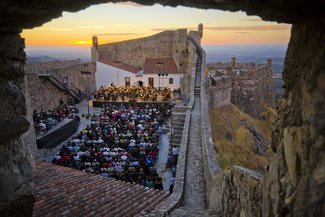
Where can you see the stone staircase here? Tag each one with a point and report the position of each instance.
(197, 86)
(194, 199)
(197, 91)
(60, 85)
(178, 119)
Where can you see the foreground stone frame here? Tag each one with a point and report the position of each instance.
(295, 181)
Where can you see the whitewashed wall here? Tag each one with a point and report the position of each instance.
(107, 74)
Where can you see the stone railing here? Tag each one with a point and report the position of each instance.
(211, 166)
(175, 199)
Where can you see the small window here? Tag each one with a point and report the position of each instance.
(171, 80)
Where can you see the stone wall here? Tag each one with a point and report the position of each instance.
(17, 165)
(44, 94)
(219, 93)
(195, 35)
(252, 91)
(188, 77)
(167, 44)
(180, 51)
(237, 192)
(134, 52)
(295, 182)
(245, 95)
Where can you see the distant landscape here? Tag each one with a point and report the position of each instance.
(53, 53)
(247, 53)
(215, 53)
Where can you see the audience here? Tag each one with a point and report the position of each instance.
(121, 142)
(45, 120)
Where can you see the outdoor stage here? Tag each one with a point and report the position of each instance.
(100, 103)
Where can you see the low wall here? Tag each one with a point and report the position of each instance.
(229, 193)
(58, 135)
(211, 166)
(175, 199)
(237, 192)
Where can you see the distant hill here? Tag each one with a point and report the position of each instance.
(247, 53)
(37, 59)
(239, 138)
(52, 53)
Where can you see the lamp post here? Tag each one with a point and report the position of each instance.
(87, 74)
(117, 63)
(159, 65)
(161, 76)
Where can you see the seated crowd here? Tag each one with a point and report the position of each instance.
(114, 93)
(45, 120)
(121, 142)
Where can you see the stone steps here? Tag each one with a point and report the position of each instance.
(189, 212)
(197, 91)
(178, 120)
(178, 123)
(175, 142)
(177, 136)
(178, 131)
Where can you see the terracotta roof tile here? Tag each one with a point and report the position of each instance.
(160, 65)
(62, 191)
(122, 66)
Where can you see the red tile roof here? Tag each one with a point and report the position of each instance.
(160, 65)
(122, 66)
(62, 191)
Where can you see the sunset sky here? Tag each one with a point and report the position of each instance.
(118, 22)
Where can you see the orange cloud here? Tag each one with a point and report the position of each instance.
(79, 42)
(251, 28)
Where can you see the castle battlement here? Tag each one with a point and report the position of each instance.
(250, 85)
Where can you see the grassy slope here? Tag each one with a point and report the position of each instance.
(233, 141)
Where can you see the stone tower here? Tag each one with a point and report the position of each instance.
(233, 62)
(94, 49)
(200, 29)
(95, 41)
(269, 62)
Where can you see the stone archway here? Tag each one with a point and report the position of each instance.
(294, 184)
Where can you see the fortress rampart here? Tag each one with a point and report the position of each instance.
(251, 86)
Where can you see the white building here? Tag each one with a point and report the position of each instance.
(157, 72)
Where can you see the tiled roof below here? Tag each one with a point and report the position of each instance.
(61, 191)
(160, 65)
(123, 66)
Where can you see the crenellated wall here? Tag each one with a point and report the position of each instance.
(218, 90)
(251, 86)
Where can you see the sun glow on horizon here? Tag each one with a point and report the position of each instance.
(127, 21)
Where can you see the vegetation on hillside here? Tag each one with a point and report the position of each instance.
(233, 138)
